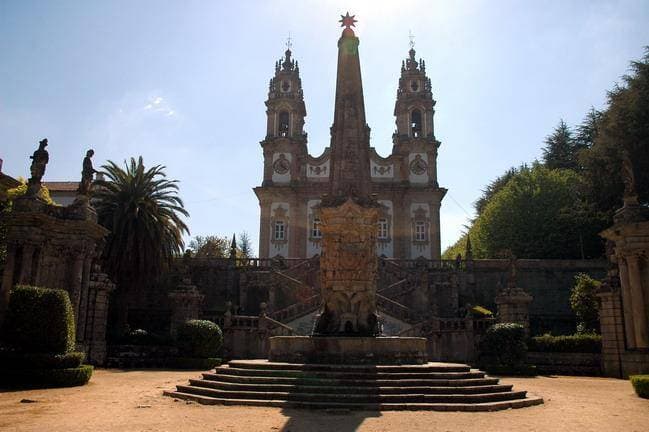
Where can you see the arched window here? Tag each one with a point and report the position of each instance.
(383, 229)
(415, 123)
(283, 123)
(315, 228)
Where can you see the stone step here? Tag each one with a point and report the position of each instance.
(226, 370)
(354, 398)
(427, 367)
(488, 406)
(349, 381)
(287, 388)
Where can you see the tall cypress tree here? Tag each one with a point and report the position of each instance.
(560, 149)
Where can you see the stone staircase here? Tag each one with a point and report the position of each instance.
(431, 386)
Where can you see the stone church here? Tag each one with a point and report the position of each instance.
(405, 182)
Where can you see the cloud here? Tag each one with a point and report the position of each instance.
(158, 104)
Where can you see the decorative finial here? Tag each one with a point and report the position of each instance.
(289, 42)
(412, 39)
(347, 21)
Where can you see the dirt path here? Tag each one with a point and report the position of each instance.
(132, 401)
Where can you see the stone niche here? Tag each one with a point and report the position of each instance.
(55, 247)
(348, 271)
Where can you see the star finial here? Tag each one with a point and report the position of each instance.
(347, 21)
(412, 39)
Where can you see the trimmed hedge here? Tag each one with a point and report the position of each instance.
(39, 320)
(481, 312)
(193, 363)
(503, 348)
(199, 339)
(45, 378)
(640, 385)
(577, 343)
(17, 360)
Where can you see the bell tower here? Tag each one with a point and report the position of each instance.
(285, 142)
(414, 110)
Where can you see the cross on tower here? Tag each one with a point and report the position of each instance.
(412, 39)
(289, 41)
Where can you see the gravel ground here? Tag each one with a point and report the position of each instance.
(132, 401)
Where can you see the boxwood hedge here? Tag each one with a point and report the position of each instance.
(39, 320)
(640, 385)
(45, 378)
(503, 348)
(199, 339)
(577, 343)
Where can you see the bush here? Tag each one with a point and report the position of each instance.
(39, 320)
(19, 360)
(199, 339)
(193, 363)
(584, 303)
(46, 378)
(504, 346)
(640, 385)
(578, 343)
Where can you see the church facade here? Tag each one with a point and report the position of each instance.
(404, 182)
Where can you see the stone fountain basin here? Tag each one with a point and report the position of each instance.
(347, 350)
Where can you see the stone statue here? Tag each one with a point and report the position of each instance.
(628, 176)
(40, 158)
(85, 187)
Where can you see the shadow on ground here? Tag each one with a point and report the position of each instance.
(335, 420)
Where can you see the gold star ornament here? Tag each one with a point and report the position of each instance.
(347, 21)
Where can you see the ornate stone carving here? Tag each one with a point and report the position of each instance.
(281, 165)
(418, 166)
(348, 269)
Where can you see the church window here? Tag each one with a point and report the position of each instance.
(383, 229)
(279, 230)
(283, 123)
(315, 228)
(415, 123)
(420, 231)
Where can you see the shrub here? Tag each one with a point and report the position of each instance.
(504, 345)
(39, 320)
(199, 339)
(584, 303)
(640, 385)
(19, 360)
(578, 343)
(46, 378)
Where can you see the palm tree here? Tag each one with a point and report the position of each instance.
(142, 210)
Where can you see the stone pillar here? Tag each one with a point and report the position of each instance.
(100, 287)
(629, 327)
(26, 264)
(638, 302)
(513, 302)
(76, 279)
(612, 329)
(7, 280)
(186, 303)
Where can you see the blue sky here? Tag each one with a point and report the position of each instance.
(183, 84)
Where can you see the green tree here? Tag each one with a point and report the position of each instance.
(245, 245)
(532, 217)
(493, 187)
(210, 246)
(584, 303)
(560, 149)
(143, 212)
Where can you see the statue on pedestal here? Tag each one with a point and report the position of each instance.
(85, 187)
(40, 158)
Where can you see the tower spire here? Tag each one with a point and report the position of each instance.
(350, 135)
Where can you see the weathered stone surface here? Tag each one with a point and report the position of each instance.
(348, 350)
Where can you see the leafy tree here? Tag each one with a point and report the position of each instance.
(142, 210)
(584, 303)
(560, 148)
(588, 130)
(531, 216)
(493, 187)
(211, 246)
(245, 245)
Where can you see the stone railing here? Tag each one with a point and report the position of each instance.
(297, 310)
(397, 310)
